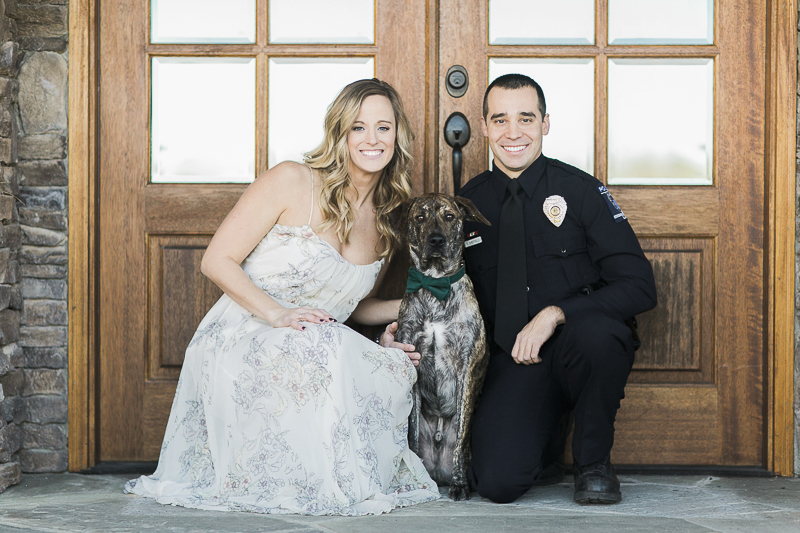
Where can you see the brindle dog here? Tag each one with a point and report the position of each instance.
(448, 334)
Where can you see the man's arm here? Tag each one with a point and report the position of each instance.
(613, 247)
(535, 334)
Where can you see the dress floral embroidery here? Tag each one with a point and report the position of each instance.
(275, 420)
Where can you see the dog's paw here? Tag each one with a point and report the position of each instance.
(459, 492)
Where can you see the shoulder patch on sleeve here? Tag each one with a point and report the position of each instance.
(616, 212)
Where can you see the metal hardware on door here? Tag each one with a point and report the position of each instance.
(456, 81)
(456, 135)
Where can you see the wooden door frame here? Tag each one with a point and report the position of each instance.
(779, 274)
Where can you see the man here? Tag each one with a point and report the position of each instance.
(557, 275)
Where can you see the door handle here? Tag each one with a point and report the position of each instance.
(456, 135)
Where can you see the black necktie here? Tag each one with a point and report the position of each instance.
(511, 313)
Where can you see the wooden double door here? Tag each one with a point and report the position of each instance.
(696, 395)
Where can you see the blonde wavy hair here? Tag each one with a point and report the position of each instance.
(331, 159)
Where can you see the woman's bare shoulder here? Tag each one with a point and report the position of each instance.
(282, 183)
(282, 190)
(285, 175)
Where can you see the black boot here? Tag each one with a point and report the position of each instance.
(597, 483)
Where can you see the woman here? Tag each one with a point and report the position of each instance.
(279, 407)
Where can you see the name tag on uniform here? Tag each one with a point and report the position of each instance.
(472, 242)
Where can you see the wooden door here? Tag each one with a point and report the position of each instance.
(697, 392)
(152, 233)
(696, 395)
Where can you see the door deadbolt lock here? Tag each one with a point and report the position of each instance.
(456, 135)
(457, 81)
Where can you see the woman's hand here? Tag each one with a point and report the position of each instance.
(387, 341)
(292, 317)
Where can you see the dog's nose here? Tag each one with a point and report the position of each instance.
(436, 240)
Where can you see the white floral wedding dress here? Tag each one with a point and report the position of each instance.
(276, 420)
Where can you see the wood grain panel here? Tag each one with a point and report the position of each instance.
(157, 396)
(432, 96)
(82, 234)
(187, 296)
(179, 298)
(262, 113)
(781, 167)
(276, 50)
(401, 61)
(191, 208)
(670, 210)
(668, 425)
(670, 332)
(665, 425)
(600, 91)
(678, 335)
(740, 169)
(463, 34)
(123, 172)
(592, 51)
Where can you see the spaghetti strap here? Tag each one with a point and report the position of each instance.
(311, 215)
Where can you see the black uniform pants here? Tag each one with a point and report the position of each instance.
(584, 368)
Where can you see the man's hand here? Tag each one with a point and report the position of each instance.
(535, 333)
(387, 341)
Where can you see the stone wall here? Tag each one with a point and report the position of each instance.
(40, 130)
(11, 352)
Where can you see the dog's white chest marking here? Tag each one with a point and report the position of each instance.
(439, 335)
(436, 336)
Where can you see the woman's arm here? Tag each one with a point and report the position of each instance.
(272, 195)
(372, 311)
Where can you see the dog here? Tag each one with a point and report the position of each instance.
(444, 324)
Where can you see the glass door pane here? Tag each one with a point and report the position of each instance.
(661, 21)
(202, 21)
(660, 121)
(298, 101)
(541, 22)
(568, 86)
(322, 21)
(203, 120)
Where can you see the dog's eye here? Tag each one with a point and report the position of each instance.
(449, 216)
(420, 218)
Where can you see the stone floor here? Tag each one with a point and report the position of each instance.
(72, 502)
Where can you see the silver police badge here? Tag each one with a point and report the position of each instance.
(555, 209)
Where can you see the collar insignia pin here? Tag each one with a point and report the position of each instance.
(555, 208)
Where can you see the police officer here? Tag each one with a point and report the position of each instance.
(557, 275)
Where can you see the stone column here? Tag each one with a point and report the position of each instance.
(41, 171)
(11, 353)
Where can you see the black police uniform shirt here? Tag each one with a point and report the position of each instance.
(594, 242)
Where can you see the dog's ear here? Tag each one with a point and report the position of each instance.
(398, 219)
(469, 211)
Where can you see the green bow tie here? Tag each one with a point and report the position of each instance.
(439, 287)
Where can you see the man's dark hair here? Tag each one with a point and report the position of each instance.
(511, 82)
